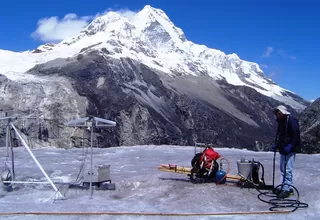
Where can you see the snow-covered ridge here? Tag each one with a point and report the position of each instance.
(151, 38)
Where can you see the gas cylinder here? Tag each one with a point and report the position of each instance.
(221, 177)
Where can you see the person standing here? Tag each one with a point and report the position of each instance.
(288, 143)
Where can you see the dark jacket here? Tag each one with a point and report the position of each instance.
(288, 133)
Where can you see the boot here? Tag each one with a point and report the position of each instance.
(283, 194)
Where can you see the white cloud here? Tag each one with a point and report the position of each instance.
(269, 50)
(285, 55)
(123, 12)
(280, 52)
(55, 29)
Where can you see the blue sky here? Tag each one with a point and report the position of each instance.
(281, 36)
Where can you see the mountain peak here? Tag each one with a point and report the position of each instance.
(110, 17)
(158, 12)
(101, 23)
(149, 24)
(152, 19)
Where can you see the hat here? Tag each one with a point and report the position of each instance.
(282, 109)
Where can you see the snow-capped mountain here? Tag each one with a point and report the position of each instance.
(144, 74)
(152, 39)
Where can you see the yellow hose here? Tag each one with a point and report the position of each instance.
(145, 213)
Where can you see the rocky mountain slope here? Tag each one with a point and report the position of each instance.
(149, 106)
(310, 128)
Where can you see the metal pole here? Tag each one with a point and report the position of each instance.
(26, 182)
(36, 161)
(91, 191)
(7, 134)
(12, 158)
(274, 167)
(7, 140)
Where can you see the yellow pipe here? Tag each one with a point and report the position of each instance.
(187, 170)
